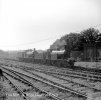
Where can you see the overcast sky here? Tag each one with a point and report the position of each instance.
(38, 23)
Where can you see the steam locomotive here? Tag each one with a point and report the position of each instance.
(54, 58)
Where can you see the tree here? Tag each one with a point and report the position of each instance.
(76, 41)
(88, 36)
(71, 43)
(99, 38)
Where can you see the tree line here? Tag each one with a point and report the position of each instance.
(76, 41)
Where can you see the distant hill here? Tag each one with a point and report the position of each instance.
(9, 54)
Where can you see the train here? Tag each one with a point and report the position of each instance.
(54, 58)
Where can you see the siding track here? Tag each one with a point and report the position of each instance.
(49, 94)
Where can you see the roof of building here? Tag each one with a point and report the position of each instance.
(58, 52)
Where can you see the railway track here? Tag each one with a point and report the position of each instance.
(27, 95)
(50, 94)
(22, 79)
(77, 72)
(83, 75)
(89, 80)
(92, 76)
(63, 70)
(14, 84)
(75, 92)
(68, 79)
(57, 86)
(77, 68)
(71, 73)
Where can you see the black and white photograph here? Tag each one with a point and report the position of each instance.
(50, 49)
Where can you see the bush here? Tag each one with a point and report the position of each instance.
(71, 61)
